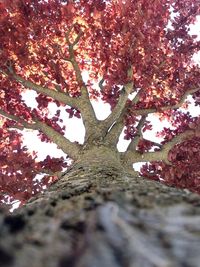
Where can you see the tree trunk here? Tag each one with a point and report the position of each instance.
(103, 217)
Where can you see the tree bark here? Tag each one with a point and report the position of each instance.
(103, 217)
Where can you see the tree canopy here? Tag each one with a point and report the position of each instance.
(136, 48)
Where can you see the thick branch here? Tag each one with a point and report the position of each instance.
(169, 107)
(134, 143)
(87, 111)
(117, 128)
(59, 96)
(114, 116)
(161, 155)
(113, 135)
(71, 149)
(23, 123)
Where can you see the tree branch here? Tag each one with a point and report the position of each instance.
(134, 142)
(86, 108)
(59, 96)
(164, 108)
(24, 124)
(114, 116)
(161, 155)
(71, 149)
(114, 133)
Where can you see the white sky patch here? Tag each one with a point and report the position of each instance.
(29, 97)
(195, 28)
(33, 143)
(194, 110)
(122, 143)
(15, 205)
(102, 110)
(75, 130)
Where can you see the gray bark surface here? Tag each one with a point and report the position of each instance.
(101, 217)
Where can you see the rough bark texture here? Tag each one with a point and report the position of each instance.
(100, 216)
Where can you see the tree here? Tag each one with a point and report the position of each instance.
(100, 212)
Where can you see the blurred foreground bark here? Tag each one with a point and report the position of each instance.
(101, 217)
